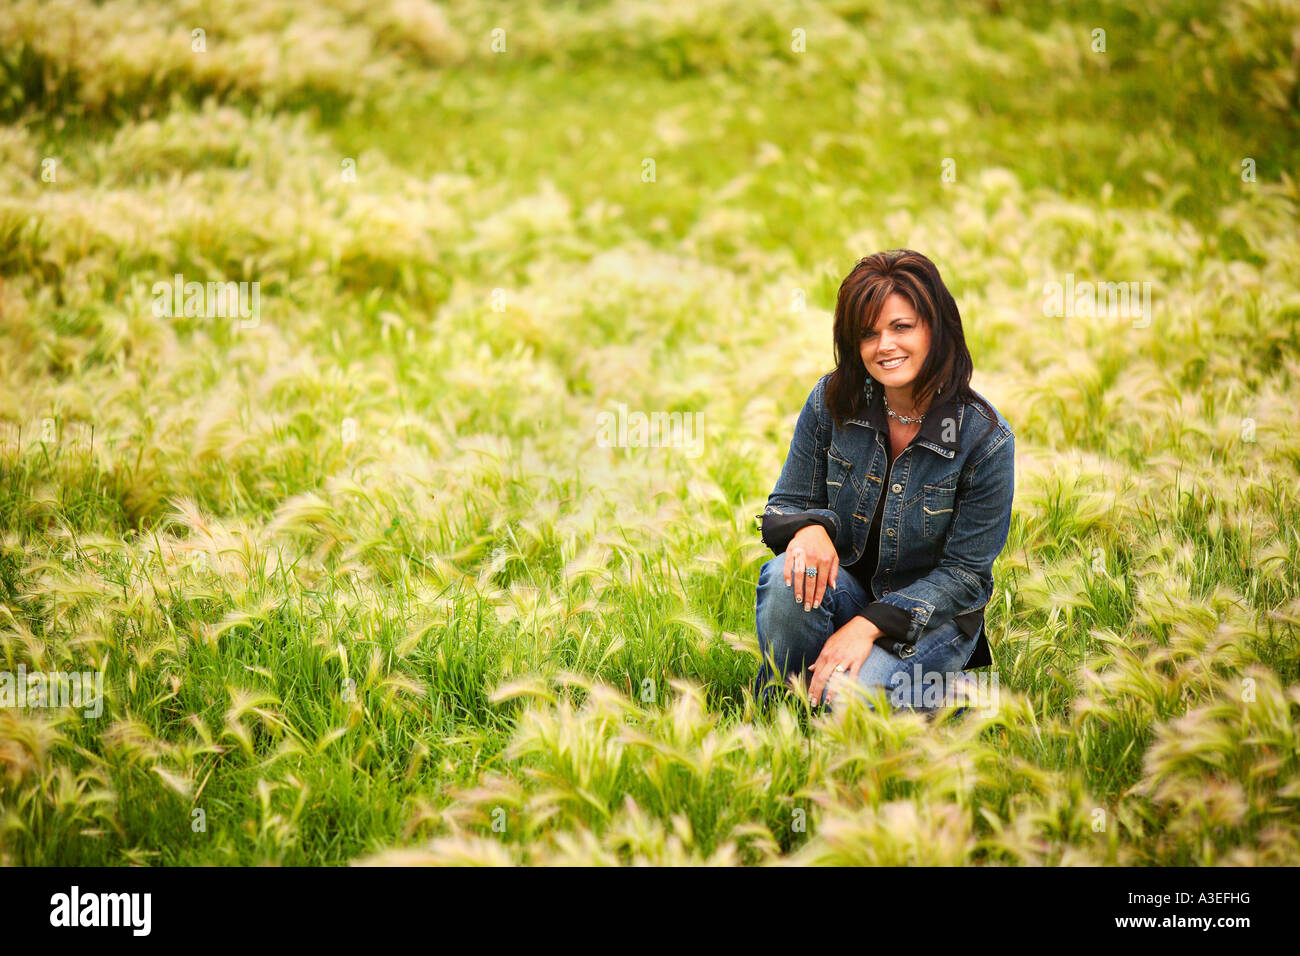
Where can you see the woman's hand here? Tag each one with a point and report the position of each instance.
(811, 547)
(845, 651)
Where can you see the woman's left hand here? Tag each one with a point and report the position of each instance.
(844, 652)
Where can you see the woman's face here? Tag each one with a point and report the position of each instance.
(896, 347)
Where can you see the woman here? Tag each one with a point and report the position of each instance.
(893, 503)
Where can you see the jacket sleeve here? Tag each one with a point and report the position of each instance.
(893, 621)
(962, 581)
(801, 489)
(778, 529)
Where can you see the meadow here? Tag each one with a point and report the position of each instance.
(364, 587)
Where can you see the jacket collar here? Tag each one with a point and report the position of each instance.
(932, 430)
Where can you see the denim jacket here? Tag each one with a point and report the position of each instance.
(946, 517)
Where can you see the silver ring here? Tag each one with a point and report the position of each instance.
(810, 572)
(839, 668)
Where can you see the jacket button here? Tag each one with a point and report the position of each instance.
(890, 532)
(897, 488)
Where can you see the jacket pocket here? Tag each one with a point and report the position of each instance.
(937, 507)
(837, 475)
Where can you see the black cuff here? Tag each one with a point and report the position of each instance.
(894, 621)
(778, 529)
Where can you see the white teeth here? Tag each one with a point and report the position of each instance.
(892, 364)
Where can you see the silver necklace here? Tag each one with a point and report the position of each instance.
(900, 418)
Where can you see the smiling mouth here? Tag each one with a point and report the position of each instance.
(893, 363)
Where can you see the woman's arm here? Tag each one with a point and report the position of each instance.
(799, 497)
(962, 581)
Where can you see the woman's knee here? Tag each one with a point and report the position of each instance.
(784, 628)
(776, 604)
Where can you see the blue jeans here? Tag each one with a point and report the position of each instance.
(793, 638)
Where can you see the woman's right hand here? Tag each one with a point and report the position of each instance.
(811, 547)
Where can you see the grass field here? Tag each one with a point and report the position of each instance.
(362, 584)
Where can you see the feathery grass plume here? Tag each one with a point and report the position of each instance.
(83, 47)
(462, 850)
(245, 702)
(1221, 774)
(277, 832)
(49, 797)
(899, 833)
(490, 805)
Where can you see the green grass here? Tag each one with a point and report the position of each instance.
(364, 588)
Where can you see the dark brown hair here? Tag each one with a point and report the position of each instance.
(862, 294)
